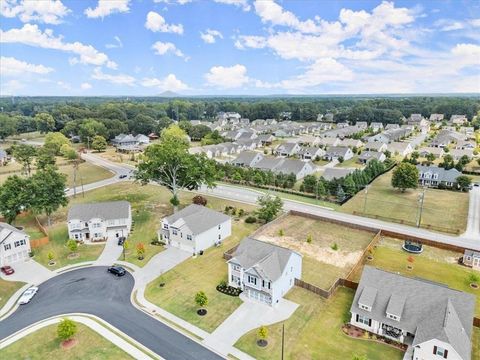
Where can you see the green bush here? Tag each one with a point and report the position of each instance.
(251, 220)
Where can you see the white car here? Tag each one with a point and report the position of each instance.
(28, 295)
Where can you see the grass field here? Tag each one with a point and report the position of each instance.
(203, 273)
(391, 204)
(351, 163)
(314, 332)
(44, 344)
(87, 173)
(111, 155)
(7, 289)
(433, 264)
(322, 264)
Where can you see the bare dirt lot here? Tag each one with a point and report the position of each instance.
(329, 250)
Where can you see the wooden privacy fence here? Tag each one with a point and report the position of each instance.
(326, 293)
(35, 243)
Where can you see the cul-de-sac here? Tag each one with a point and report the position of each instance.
(239, 179)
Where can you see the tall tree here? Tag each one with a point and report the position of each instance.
(175, 134)
(270, 206)
(45, 122)
(8, 126)
(15, 196)
(405, 176)
(99, 143)
(170, 164)
(48, 187)
(55, 140)
(45, 157)
(25, 154)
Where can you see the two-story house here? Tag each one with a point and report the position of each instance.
(195, 228)
(432, 319)
(99, 221)
(14, 245)
(265, 272)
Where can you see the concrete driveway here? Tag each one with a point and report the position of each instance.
(30, 272)
(159, 264)
(473, 225)
(250, 315)
(111, 252)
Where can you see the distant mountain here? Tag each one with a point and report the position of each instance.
(169, 94)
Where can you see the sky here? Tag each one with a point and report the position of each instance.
(232, 47)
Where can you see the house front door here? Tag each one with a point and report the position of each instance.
(476, 263)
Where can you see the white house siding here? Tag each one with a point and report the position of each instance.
(424, 351)
(9, 253)
(293, 270)
(98, 229)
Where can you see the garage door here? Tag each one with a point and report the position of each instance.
(15, 257)
(259, 296)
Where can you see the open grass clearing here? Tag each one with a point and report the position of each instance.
(351, 163)
(432, 264)
(44, 344)
(322, 263)
(314, 332)
(7, 289)
(442, 210)
(202, 273)
(111, 154)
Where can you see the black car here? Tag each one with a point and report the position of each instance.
(123, 176)
(117, 270)
(121, 240)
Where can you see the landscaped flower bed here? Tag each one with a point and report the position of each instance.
(358, 333)
(229, 290)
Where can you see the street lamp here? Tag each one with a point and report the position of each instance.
(421, 198)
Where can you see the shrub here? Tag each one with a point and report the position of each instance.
(281, 232)
(66, 329)
(473, 278)
(72, 245)
(50, 256)
(251, 220)
(222, 283)
(240, 212)
(227, 209)
(199, 200)
(262, 332)
(201, 299)
(309, 238)
(334, 246)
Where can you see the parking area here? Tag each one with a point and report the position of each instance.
(29, 271)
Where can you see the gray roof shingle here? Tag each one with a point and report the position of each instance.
(197, 218)
(109, 210)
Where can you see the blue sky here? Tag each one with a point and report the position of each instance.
(200, 47)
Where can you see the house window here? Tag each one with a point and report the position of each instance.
(22, 242)
(189, 237)
(252, 280)
(219, 237)
(17, 243)
(96, 225)
(437, 350)
(363, 320)
(219, 227)
(7, 246)
(236, 267)
(165, 226)
(174, 232)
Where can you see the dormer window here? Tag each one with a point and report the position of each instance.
(165, 226)
(393, 317)
(365, 307)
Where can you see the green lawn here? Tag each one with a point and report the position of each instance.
(314, 332)
(87, 173)
(443, 210)
(44, 344)
(112, 155)
(203, 273)
(7, 289)
(322, 265)
(433, 264)
(30, 226)
(351, 163)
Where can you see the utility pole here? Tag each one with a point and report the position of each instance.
(421, 199)
(88, 142)
(283, 339)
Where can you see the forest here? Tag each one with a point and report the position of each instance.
(144, 115)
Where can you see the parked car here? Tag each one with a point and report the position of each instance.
(66, 189)
(117, 270)
(7, 270)
(121, 240)
(28, 295)
(123, 176)
(476, 184)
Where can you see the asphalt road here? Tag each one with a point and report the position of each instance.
(95, 291)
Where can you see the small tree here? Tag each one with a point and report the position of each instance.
(270, 206)
(66, 329)
(262, 332)
(464, 182)
(99, 143)
(281, 232)
(201, 300)
(405, 176)
(72, 246)
(309, 238)
(50, 257)
(140, 251)
(334, 246)
(199, 200)
(473, 279)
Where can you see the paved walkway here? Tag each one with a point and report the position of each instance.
(118, 341)
(30, 272)
(159, 264)
(111, 252)
(248, 316)
(473, 225)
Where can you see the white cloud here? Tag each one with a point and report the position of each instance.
(63, 85)
(31, 35)
(156, 23)
(11, 87)
(44, 11)
(168, 83)
(118, 43)
(107, 7)
(179, 2)
(10, 66)
(475, 22)
(227, 77)
(163, 48)
(250, 41)
(85, 86)
(239, 3)
(210, 36)
(120, 79)
(466, 55)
